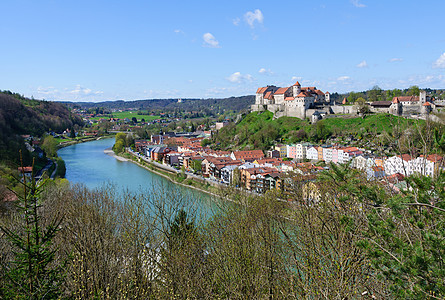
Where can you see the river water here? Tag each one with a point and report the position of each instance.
(87, 164)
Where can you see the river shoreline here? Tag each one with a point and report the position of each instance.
(156, 170)
(74, 142)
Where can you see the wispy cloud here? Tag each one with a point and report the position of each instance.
(440, 62)
(210, 40)
(47, 90)
(264, 71)
(395, 59)
(254, 16)
(237, 77)
(178, 31)
(343, 78)
(362, 64)
(236, 21)
(357, 3)
(76, 93)
(81, 91)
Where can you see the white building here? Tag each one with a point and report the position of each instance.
(398, 164)
(302, 149)
(312, 153)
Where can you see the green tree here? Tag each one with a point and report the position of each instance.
(361, 105)
(375, 94)
(196, 165)
(413, 91)
(205, 142)
(49, 145)
(72, 133)
(33, 274)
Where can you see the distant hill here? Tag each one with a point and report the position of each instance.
(236, 104)
(20, 115)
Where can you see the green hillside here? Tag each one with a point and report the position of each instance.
(261, 131)
(20, 115)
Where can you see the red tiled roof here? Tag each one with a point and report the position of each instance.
(248, 154)
(406, 157)
(281, 91)
(303, 94)
(261, 90)
(434, 157)
(268, 95)
(395, 100)
(407, 98)
(427, 104)
(288, 98)
(297, 84)
(318, 92)
(25, 169)
(378, 169)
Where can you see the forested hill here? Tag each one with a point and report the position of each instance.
(236, 104)
(20, 115)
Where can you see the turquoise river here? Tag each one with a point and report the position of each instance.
(87, 164)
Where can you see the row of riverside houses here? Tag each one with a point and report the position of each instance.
(405, 164)
(255, 171)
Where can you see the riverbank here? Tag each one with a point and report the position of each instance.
(216, 190)
(82, 140)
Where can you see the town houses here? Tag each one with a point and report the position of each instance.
(256, 172)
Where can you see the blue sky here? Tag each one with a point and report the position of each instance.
(107, 50)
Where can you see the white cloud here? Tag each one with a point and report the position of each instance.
(395, 59)
(178, 31)
(80, 92)
(47, 90)
(250, 17)
(440, 62)
(343, 78)
(210, 41)
(237, 77)
(236, 21)
(296, 78)
(264, 71)
(356, 3)
(363, 64)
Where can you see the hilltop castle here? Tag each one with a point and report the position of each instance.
(310, 102)
(293, 101)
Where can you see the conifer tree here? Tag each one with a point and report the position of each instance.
(33, 273)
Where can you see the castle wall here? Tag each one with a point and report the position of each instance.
(259, 99)
(343, 109)
(256, 107)
(411, 109)
(279, 99)
(380, 109)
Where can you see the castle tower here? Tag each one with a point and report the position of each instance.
(396, 107)
(327, 97)
(422, 97)
(296, 89)
(426, 108)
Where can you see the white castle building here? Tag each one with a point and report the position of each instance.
(293, 101)
(310, 102)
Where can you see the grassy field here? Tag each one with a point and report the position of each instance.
(131, 114)
(128, 115)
